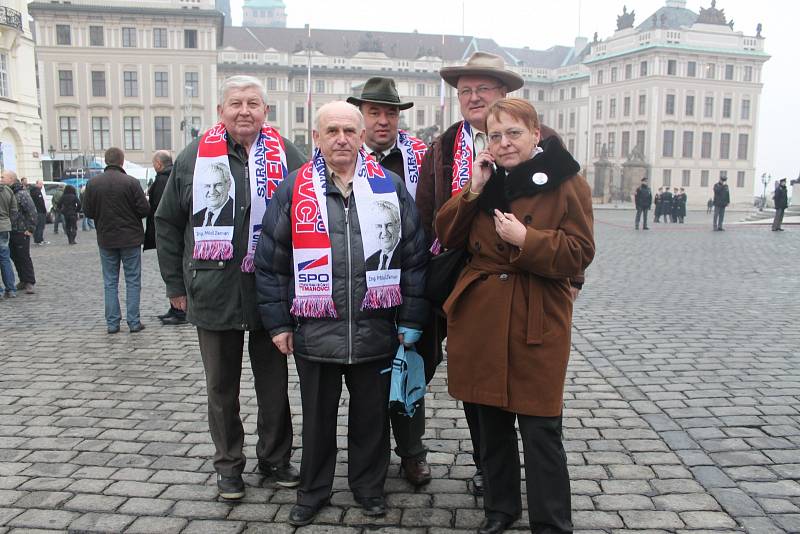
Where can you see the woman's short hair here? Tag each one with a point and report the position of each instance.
(517, 108)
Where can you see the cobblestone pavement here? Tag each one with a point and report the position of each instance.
(682, 410)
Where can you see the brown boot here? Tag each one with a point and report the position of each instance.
(416, 470)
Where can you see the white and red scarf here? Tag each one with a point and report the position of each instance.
(463, 157)
(311, 244)
(413, 151)
(267, 168)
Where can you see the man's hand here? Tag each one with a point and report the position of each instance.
(178, 302)
(27, 233)
(285, 342)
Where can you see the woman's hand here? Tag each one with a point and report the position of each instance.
(509, 228)
(481, 171)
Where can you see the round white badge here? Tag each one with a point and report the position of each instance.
(539, 178)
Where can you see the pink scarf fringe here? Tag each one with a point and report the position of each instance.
(213, 250)
(313, 307)
(248, 264)
(382, 297)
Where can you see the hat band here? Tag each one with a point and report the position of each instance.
(380, 97)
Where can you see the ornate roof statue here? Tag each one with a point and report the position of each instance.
(595, 37)
(370, 43)
(712, 15)
(626, 19)
(655, 20)
(636, 154)
(758, 30)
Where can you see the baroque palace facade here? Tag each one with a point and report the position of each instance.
(677, 94)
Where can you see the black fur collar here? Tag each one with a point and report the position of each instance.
(547, 171)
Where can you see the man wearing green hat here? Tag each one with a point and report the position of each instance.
(402, 154)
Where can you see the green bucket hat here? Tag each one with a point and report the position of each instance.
(379, 90)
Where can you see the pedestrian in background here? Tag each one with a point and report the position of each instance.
(41, 212)
(657, 202)
(643, 198)
(117, 203)
(58, 218)
(781, 197)
(86, 223)
(162, 163)
(70, 206)
(709, 206)
(722, 197)
(22, 228)
(681, 203)
(666, 205)
(8, 211)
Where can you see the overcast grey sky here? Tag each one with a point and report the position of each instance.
(541, 25)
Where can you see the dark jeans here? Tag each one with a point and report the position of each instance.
(222, 360)
(41, 222)
(71, 227)
(6, 270)
(367, 427)
(20, 245)
(131, 259)
(58, 217)
(778, 220)
(641, 214)
(546, 474)
(408, 431)
(719, 215)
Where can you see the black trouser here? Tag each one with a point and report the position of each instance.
(41, 222)
(641, 213)
(546, 474)
(222, 360)
(367, 427)
(408, 431)
(20, 245)
(71, 227)
(719, 216)
(474, 425)
(778, 220)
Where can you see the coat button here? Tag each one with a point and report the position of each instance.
(501, 247)
(503, 277)
(527, 219)
(244, 325)
(242, 208)
(221, 263)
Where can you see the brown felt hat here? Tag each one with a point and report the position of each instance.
(379, 90)
(483, 64)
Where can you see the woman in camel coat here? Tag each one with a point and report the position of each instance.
(526, 219)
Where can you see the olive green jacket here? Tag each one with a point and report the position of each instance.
(220, 296)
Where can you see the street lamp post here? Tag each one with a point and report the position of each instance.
(52, 152)
(765, 179)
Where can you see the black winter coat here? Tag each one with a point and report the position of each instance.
(117, 204)
(38, 198)
(644, 197)
(154, 193)
(69, 205)
(781, 197)
(722, 195)
(356, 336)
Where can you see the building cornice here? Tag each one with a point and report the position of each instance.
(756, 54)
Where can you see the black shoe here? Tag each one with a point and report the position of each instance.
(137, 328)
(231, 488)
(173, 320)
(492, 525)
(113, 329)
(372, 506)
(646, 228)
(476, 486)
(169, 313)
(284, 475)
(302, 514)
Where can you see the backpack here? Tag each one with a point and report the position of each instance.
(408, 380)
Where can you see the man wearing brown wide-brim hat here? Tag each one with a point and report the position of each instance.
(479, 82)
(402, 154)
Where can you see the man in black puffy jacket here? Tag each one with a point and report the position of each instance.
(356, 343)
(643, 197)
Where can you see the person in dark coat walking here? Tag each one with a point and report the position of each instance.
(666, 205)
(70, 206)
(722, 197)
(23, 225)
(676, 201)
(657, 204)
(643, 198)
(117, 204)
(682, 199)
(41, 212)
(162, 163)
(781, 198)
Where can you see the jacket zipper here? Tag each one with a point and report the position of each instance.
(349, 286)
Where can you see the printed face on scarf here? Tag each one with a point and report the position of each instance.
(510, 140)
(380, 121)
(475, 95)
(243, 113)
(389, 226)
(339, 135)
(216, 185)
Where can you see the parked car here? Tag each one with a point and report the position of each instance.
(49, 189)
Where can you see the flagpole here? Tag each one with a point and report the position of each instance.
(441, 94)
(308, 96)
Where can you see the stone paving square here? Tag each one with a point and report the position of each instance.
(682, 410)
